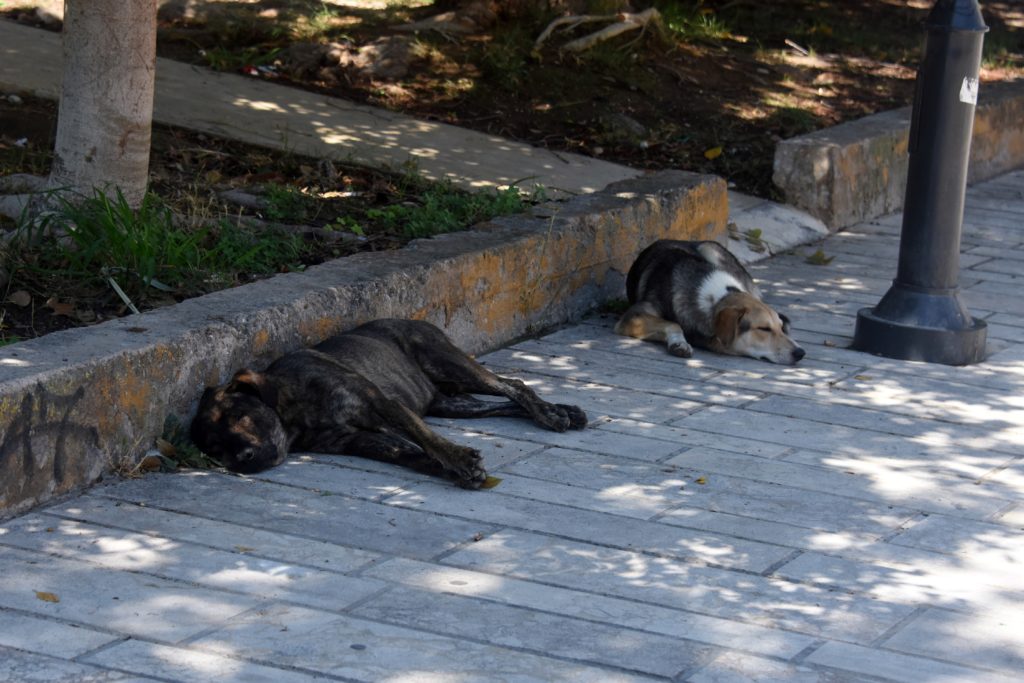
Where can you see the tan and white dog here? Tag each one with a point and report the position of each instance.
(698, 293)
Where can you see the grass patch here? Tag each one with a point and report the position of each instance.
(689, 23)
(90, 245)
(443, 208)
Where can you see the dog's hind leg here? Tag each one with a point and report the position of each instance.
(460, 463)
(641, 321)
(457, 374)
(464, 405)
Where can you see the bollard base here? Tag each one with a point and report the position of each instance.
(883, 337)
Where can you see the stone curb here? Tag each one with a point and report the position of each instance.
(74, 404)
(857, 171)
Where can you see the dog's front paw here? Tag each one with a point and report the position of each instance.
(681, 349)
(577, 418)
(466, 467)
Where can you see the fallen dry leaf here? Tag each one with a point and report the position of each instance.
(20, 298)
(701, 480)
(60, 308)
(46, 596)
(713, 153)
(151, 463)
(862, 378)
(243, 549)
(166, 448)
(490, 482)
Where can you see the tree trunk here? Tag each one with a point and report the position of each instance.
(106, 106)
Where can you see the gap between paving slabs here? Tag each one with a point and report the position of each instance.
(76, 403)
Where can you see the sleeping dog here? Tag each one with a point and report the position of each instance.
(362, 393)
(698, 293)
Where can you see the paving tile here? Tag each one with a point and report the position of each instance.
(217, 569)
(120, 601)
(810, 434)
(900, 484)
(685, 481)
(995, 637)
(590, 439)
(538, 632)
(363, 650)
(532, 514)
(732, 667)
(333, 518)
(27, 667)
(886, 572)
(998, 543)
(49, 637)
(212, 533)
(670, 583)
(188, 665)
(330, 475)
(592, 607)
(683, 438)
(603, 399)
(893, 666)
(797, 536)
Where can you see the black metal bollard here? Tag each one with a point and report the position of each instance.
(921, 317)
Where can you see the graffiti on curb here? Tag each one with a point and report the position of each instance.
(42, 433)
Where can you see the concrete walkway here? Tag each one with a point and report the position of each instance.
(849, 519)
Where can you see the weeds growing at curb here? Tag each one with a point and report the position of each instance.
(178, 451)
(96, 244)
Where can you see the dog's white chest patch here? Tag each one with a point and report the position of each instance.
(714, 288)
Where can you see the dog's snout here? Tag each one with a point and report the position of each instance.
(798, 354)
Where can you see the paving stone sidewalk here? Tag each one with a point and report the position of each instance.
(852, 518)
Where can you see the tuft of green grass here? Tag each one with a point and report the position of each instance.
(692, 24)
(792, 121)
(178, 449)
(443, 208)
(227, 59)
(85, 242)
(503, 59)
(287, 204)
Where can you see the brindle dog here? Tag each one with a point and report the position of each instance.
(362, 393)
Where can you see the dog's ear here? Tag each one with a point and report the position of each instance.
(729, 324)
(785, 323)
(255, 384)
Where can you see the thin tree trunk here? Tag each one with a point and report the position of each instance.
(106, 107)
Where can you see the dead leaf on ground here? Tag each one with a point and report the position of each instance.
(713, 153)
(166, 448)
(244, 549)
(20, 298)
(60, 307)
(490, 482)
(46, 596)
(863, 378)
(701, 480)
(151, 463)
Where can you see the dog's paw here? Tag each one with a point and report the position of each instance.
(577, 418)
(681, 349)
(466, 467)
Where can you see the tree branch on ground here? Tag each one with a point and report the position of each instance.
(625, 21)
